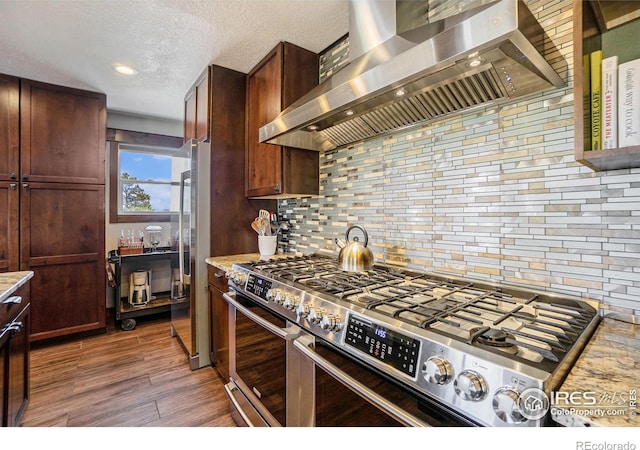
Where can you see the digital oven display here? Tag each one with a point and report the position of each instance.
(392, 348)
(258, 286)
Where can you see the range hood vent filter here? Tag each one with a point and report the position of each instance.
(484, 56)
(460, 95)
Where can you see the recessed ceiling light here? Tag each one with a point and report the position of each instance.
(124, 69)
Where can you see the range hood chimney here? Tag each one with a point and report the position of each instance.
(404, 71)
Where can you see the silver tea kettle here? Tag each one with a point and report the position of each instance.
(355, 257)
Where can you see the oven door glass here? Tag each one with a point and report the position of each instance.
(337, 405)
(260, 361)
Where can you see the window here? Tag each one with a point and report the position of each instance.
(144, 181)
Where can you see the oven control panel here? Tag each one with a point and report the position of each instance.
(390, 347)
(258, 286)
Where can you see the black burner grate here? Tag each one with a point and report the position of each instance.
(465, 310)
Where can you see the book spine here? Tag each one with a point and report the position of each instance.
(586, 100)
(629, 103)
(610, 102)
(596, 100)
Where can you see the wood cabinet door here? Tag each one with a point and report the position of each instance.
(9, 226)
(218, 321)
(62, 241)
(203, 106)
(18, 372)
(196, 109)
(62, 134)
(190, 115)
(4, 386)
(281, 78)
(9, 127)
(264, 102)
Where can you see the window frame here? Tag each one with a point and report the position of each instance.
(116, 137)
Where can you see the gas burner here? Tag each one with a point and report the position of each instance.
(493, 337)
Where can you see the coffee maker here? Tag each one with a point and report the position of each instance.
(140, 287)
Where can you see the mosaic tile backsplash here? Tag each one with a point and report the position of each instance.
(492, 194)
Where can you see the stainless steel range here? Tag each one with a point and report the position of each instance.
(466, 347)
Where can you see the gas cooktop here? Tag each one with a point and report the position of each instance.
(455, 339)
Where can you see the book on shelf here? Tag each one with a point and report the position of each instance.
(609, 106)
(595, 60)
(586, 100)
(629, 103)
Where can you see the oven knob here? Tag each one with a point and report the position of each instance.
(437, 370)
(270, 294)
(230, 275)
(506, 405)
(240, 278)
(470, 386)
(291, 301)
(315, 315)
(278, 298)
(331, 322)
(303, 310)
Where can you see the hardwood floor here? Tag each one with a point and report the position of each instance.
(138, 378)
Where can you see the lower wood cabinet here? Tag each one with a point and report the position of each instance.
(14, 363)
(62, 242)
(218, 321)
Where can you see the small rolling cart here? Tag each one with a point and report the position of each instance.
(142, 283)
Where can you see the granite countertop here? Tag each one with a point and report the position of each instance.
(226, 262)
(604, 381)
(11, 281)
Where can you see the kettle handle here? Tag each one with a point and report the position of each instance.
(366, 236)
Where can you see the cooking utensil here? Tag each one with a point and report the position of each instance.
(256, 226)
(354, 256)
(264, 217)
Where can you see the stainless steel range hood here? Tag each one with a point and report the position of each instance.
(403, 73)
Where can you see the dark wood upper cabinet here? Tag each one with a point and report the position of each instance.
(9, 171)
(190, 115)
(9, 127)
(273, 171)
(62, 134)
(196, 109)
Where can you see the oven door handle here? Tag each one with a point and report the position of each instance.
(305, 343)
(288, 333)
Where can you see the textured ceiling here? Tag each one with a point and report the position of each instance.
(76, 42)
